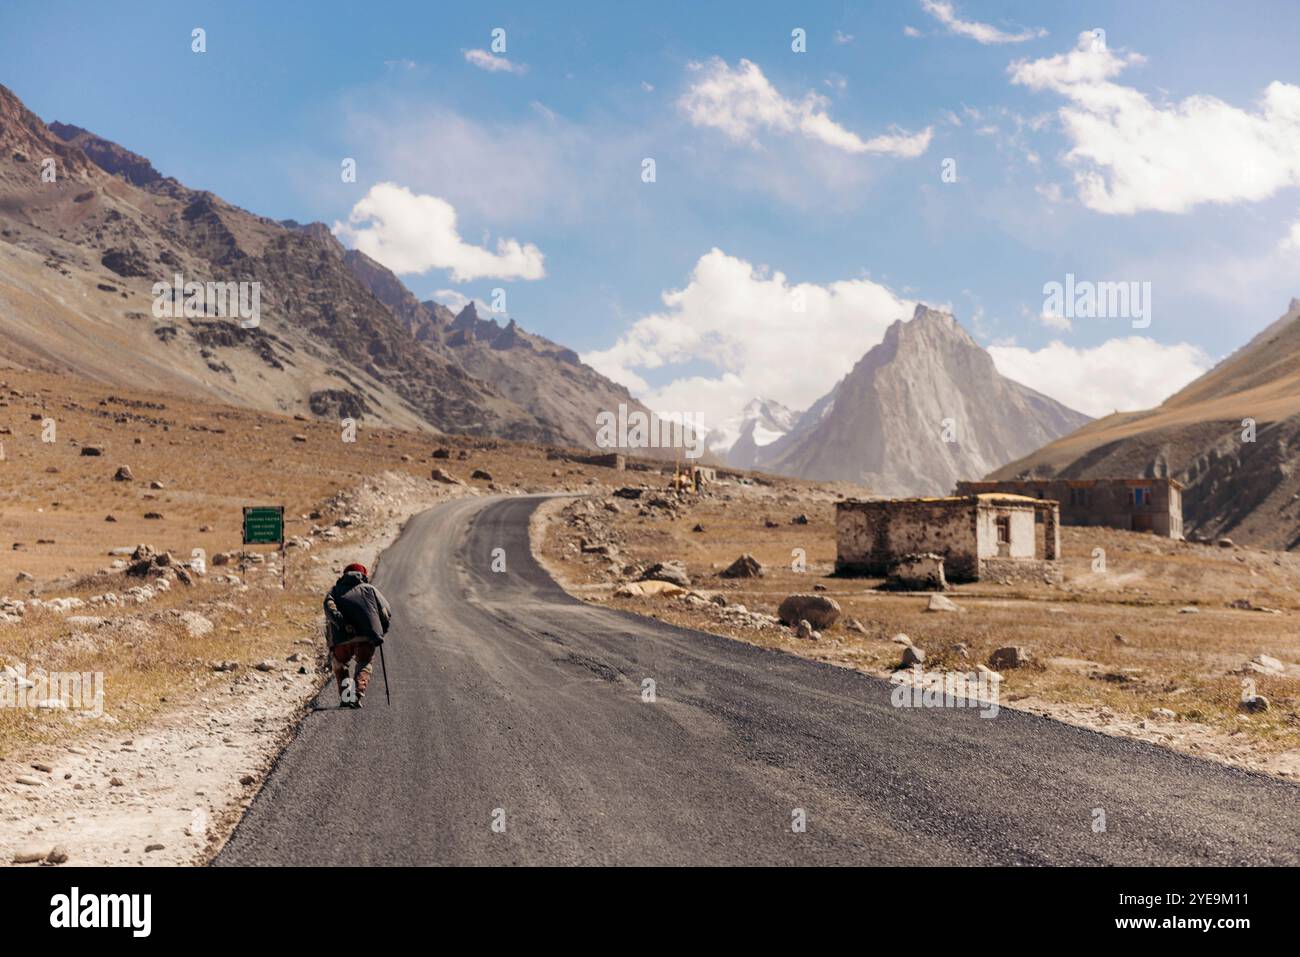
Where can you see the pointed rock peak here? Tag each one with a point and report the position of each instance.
(924, 312)
(1295, 305)
(467, 315)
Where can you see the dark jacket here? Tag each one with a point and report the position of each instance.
(355, 609)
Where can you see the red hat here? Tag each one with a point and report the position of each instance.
(355, 567)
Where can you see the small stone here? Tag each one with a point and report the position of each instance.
(115, 782)
(58, 855)
(942, 603)
(123, 474)
(150, 848)
(29, 855)
(1255, 704)
(912, 655)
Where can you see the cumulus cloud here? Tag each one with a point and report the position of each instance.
(741, 103)
(413, 233)
(1290, 243)
(946, 14)
(1130, 154)
(746, 322)
(493, 63)
(1123, 374)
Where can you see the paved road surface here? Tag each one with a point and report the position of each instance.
(508, 694)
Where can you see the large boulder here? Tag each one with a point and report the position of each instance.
(746, 566)
(1011, 656)
(670, 571)
(817, 610)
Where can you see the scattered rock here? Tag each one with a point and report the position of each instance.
(799, 520)
(1163, 714)
(445, 477)
(29, 855)
(58, 855)
(1226, 543)
(92, 450)
(1265, 664)
(942, 603)
(481, 474)
(150, 848)
(29, 781)
(644, 588)
(746, 566)
(123, 474)
(805, 630)
(1010, 656)
(820, 611)
(670, 571)
(1255, 704)
(912, 655)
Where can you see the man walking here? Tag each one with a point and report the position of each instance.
(356, 618)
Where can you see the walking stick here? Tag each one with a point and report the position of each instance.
(384, 667)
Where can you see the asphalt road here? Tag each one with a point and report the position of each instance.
(517, 706)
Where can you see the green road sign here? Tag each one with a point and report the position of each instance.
(264, 525)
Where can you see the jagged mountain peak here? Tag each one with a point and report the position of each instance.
(921, 410)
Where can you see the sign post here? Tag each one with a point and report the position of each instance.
(264, 525)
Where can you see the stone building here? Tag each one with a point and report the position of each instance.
(978, 536)
(1139, 505)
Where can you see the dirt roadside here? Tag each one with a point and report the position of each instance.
(171, 792)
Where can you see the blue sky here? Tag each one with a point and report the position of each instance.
(1168, 154)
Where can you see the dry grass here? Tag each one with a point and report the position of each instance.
(211, 461)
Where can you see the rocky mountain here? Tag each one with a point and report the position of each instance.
(739, 440)
(1232, 437)
(538, 375)
(918, 412)
(87, 228)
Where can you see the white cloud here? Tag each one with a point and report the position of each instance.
(1132, 155)
(911, 32)
(413, 233)
(493, 63)
(743, 321)
(1290, 243)
(1122, 375)
(946, 14)
(842, 38)
(1053, 321)
(741, 102)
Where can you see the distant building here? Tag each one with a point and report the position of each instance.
(978, 536)
(1139, 505)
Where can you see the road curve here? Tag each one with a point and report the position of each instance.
(517, 705)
